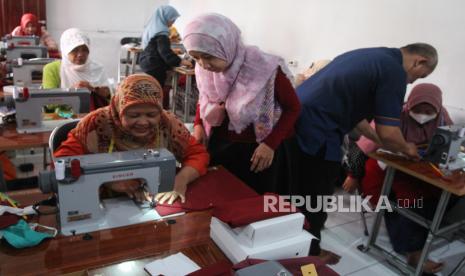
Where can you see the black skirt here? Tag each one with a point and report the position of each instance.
(235, 157)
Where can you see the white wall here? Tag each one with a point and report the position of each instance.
(302, 30)
(307, 30)
(106, 22)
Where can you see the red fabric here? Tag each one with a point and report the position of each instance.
(7, 219)
(54, 54)
(293, 265)
(197, 120)
(194, 155)
(404, 186)
(244, 211)
(9, 170)
(210, 190)
(284, 128)
(223, 268)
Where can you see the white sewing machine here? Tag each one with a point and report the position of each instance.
(10, 40)
(29, 103)
(25, 52)
(444, 148)
(77, 181)
(29, 72)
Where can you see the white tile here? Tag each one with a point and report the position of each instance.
(336, 219)
(451, 254)
(448, 250)
(382, 268)
(343, 240)
(339, 218)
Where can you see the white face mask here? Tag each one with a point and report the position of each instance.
(422, 118)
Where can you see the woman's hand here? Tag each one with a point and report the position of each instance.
(179, 191)
(412, 152)
(131, 187)
(186, 63)
(350, 184)
(199, 134)
(185, 176)
(261, 158)
(83, 84)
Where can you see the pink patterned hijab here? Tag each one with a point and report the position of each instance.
(246, 86)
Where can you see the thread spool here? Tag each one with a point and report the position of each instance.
(60, 169)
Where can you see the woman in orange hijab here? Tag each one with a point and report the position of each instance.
(135, 119)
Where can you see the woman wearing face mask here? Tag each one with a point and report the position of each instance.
(135, 119)
(247, 105)
(420, 117)
(77, 70)
(157, 57)
(30, 26)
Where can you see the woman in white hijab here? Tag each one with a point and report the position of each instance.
(75, 69)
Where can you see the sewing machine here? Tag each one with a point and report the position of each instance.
(444, 148)
(29, 72)
(77, 181)
(29, 103)
(25, 52)
(10, 40)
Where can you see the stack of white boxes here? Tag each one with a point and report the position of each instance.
(271, 239)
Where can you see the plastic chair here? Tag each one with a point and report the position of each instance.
(59, 134)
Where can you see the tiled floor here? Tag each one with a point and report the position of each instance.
(344, 232)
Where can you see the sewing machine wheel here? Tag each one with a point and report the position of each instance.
(439, 140)
(48, 182)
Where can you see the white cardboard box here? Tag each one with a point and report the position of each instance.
(270, 230)
(236, 251)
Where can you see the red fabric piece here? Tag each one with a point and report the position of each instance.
(182, 80)
(9, 170)
(284, 128)
(242, 212)
(293, 265)
(405, 187)
(7, 219)
(54, 54)
(223, 268)
(214, 188)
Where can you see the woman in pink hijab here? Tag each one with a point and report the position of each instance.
(247, 104)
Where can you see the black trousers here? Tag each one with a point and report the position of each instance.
(159, 74)
(313, 177)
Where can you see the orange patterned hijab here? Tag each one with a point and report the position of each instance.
(98, 128)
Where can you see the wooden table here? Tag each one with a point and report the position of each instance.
(10, 139)
(189, 73)
(453, 184)
(190, 235)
